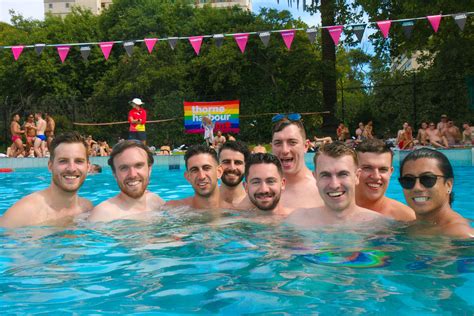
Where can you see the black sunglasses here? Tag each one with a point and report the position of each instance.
(428, 181)
(291, 117)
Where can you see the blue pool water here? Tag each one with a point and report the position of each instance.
(185, 262)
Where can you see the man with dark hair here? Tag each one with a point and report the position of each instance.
(17, 132)
(289, 145)
(375, 163)
(202, 172)
(427, 179)
(232, 158)
(264, 183)
(49, 131)
(59, 203)
(336, 174)
(40, 140)
(131, 162)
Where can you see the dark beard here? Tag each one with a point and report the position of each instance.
(270, 207)
(231, 184)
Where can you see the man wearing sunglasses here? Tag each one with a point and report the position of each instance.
(336, 172)
(289, 145)
(375, 163)
(427, 178)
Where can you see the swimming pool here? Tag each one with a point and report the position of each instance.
(185, 262)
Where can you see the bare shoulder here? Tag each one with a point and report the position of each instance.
(303, 216)
(244, 205)
(155, 200)
(27, 211)
(85, 204)
(400, 211)
(365, 214)
(458, 227)
(182, 202)
(102, 211)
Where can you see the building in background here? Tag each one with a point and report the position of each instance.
(407, 62)
(64, 7)
(244, 4)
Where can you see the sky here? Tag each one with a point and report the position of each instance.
(35, 9)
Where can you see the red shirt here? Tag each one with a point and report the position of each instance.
(137, 114)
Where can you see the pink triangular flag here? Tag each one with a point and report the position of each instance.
(63, 51)
(150, 43)
(434, 20)
(288, 37)
(196, 42)
(335, 32)
(384, 26)
(106, 47)
(241, 40)
(16, 50)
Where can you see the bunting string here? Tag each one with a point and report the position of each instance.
(241, 38)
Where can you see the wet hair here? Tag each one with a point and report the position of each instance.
(443, 164)
(375, 146)
(259, 158)
(336, 149)
(282, 124)
(236, 146)
(67, 138)
(199, 149)
(129, 143)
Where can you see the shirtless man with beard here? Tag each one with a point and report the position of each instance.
(264, 184)
(131, 162)
(232, 158)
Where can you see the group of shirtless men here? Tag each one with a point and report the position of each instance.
(444, 134)
(347, 187)
(38, 133)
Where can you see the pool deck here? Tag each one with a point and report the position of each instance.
(458, 157)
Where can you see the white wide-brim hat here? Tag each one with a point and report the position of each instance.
(137, 101)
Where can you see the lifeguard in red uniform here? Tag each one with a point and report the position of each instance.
(137, 119)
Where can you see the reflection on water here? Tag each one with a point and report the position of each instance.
(200, 263)
(223, 263)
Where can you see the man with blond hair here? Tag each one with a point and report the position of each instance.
(337, 174)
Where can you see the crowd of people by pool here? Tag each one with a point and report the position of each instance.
(33, 137)
(346, 188)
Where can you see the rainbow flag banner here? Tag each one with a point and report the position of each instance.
(224, 115)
